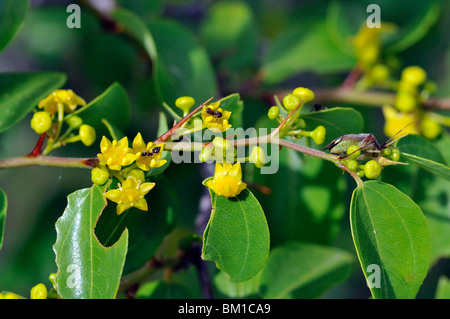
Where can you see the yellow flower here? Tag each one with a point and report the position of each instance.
(115, 154)
(396, 121)
(215, 118)
(147, 156)
(227, 180)
(130, 194)
(367, 44)
(66, 97)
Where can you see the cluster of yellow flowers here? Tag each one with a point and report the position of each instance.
(50, 120)
(127, 164)
(407, 113)
(294, 126)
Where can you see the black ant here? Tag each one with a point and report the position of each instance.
(216, 114)
(154, 151)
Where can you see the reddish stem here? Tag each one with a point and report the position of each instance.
(352, 78)
(37, 150)
(163, 138)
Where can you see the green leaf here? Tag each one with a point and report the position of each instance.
(301, 49)
(147, 229)
(112, 105)
(338, 121)
(183, 67)
(3, 206)
(234, 44)
(390, 232)
(136, 28)
(304, 270)
(86, 269)
(158, 289)
(416, 29)
(20, 93)
(292, 211)
(237, 236)
(12, 17)
(443, 288)
(423, 153)
(237, 290)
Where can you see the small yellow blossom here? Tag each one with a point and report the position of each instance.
(215, 118)
(147, 156)
(115, 154)
(130, 194)
(367, 43)
(227, 180)
(68, 98)
(396, 121)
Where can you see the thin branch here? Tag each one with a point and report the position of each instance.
(54, 161)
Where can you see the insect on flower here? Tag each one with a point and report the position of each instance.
(366, 141)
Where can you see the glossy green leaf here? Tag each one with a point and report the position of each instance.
(304, 48)
(3, 206)
(12, 17)
(20, 93)
(392, 239)
(87, 269)
(423, 153)
(338, 121)
(304, 270)
(158, 289)
(237, 236)
(183, 67)
(112, 105)
(147, 229)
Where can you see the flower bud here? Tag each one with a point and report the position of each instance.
(414, 75)
(38, 292)
(41, 122)
(304, 94)
(185, 103)
(291, 101)
(257, 157)
(372, 169)
(87, 134)
(99, 175)
(353, 151)
(74, 121)
(273, 112)
(319, 134)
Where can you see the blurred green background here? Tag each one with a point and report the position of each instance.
(286, 43)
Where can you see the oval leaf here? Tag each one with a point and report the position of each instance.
(422, 152)
(112, 105)
(183, 66)
(392, 239)
(20, 93)
(298, 50)
(338, 121)
(304, 270)
(12, 17)
(147, 229)
(237, 236)
(86, 269)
